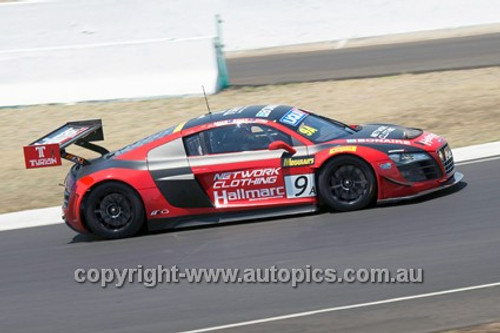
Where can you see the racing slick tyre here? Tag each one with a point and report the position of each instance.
(347, 183)
(113, 210)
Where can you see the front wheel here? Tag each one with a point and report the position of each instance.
(114, 210)
(347, 183)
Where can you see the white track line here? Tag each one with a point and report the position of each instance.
(479, 160)
(341, 308)
(23, 2)
(31, 218)
(476, 151)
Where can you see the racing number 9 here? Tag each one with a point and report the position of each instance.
(300, 186)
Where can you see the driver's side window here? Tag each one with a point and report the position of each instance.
(234, 138)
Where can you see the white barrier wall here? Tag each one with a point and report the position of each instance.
(248, 24)
(107, 71)
(75, 50)
(268, 23)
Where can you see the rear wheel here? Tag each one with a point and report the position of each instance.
(114, 210)
(347, 183)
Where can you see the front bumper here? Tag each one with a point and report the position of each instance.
(453, 180)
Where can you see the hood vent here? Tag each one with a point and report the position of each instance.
(412, 133)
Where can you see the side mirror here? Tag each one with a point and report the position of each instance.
(277, 145)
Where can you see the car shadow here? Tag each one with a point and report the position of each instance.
(85, 238)
(89, 238)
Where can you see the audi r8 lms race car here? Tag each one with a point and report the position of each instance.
(237, 164)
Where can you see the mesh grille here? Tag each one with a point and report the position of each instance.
(446, 157)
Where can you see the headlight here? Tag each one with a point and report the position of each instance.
(406, 158)
(442, 157)
(445, 153)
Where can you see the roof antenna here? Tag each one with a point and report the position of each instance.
(206, 100)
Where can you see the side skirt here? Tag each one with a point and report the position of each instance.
(200, 220)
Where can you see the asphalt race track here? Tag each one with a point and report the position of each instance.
(453, 236)
(372, 61)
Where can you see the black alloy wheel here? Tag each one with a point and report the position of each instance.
(114, 210)
(347, 183)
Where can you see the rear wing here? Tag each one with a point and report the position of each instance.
(49, 149)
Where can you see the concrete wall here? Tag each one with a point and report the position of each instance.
(109, 71)
(74, 50)
(247, 24)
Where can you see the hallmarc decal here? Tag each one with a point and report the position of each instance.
(251, 185)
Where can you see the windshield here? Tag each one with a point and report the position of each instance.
(319, 129)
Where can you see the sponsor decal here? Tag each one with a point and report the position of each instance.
(266, 111)
(386, 166)
(382, 132)
(179, 127)
(300, 186)
(298, 161)
(39, 156)
(239, 121)
(64, 135)
(307, 130)
(234, 111)
(386, 141)
(251, 185)
(341, 149)
(293, 117)
(74, 158)
(224, 122)
(428, 139)
(246, 178)
(225, 196)
(158, 212)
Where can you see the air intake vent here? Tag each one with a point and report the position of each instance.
(412, 133)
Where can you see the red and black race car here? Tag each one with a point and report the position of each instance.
(242, 163)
